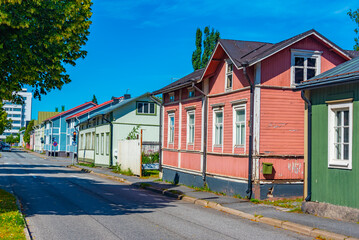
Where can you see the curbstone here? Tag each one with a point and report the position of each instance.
(297, 228)
(201, 202)
(270, 221)
(327, 235)
(189, 199)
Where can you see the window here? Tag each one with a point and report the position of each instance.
(190, 92)
(107, 143)
(93, 141)
(190, 127)
(102, 143)
(146, 108)
(172, 96)
(171, 128)
(305, 65)
(218, 127)
(239, 125)
(97, 143)
(229, 75)
(340, 135)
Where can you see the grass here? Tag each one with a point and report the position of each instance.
(293, 204)
(150, 174)
(207, 189)
(11, 221)
(87, 164)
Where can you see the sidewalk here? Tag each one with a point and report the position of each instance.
(302, 223)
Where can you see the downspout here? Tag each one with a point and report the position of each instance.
(78, 139)
(205, 112)
(51, 139)
(250, 138)
(309, 151)
(111, 136)
(160, 131)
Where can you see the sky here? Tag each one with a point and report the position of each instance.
(143, 45)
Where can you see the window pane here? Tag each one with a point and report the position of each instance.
(338, 119)
(240, 115)
(152, 108)
(299, 75)
(219, 117)
(172, 119)
(229, 68)
(338, 134)
(242, 134)
(310, 73)
(238, 128)
(139, 107)
(311, 62)
(220, 135)
(299, 61)
(346, 118)
(338, 153)
(346, 151)
(191, 119)
(145, 108)
(346, 135)
(229, 81)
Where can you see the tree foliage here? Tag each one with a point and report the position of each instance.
(354, 15)
(37, 40)
(13, 139)
(94, 99)
(210, 39)
(29, 128)
(5, 123)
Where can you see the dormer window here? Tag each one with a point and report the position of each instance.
(229, 75)
(305, 65)
(172, 96)
(190, 92)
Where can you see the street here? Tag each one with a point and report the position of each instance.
(63, 203)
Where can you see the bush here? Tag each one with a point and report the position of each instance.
(150, 158)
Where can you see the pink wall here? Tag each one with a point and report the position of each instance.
(170, 158)
(228, 165)
(284, 168)
(191, 161)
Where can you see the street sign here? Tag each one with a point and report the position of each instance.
(55, 144)
(73, 143)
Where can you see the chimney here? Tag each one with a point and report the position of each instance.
(115, 100)
(62, 108)
(127, 96)
(56, 109)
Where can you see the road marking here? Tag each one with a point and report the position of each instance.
(82, 177)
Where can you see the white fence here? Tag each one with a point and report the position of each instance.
(129, 155)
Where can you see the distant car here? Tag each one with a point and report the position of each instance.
(6, 147)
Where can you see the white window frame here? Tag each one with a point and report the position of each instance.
(102, 143)
(215, 111)
(148, 108)
(304, 54)
(332, 161)
(169, 140)
(189, 142)
(235, 109)
(228, 62)
(171, 96)
(97, 144)
(107, 143)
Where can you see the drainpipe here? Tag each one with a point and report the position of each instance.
(51, 141)
(309, 150)
(250, 138)
(111, 136)
(205, 113)
(78, 138)
(160, 132)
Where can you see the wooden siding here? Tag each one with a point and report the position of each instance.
(283, 168)
(330, 185)
(282, 122)
(191, 161)
(228, 166)
(170, 158)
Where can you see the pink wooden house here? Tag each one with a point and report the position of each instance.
(236, 125)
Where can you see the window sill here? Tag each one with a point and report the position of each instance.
(339, 164)
(217, 146)
(238, 146)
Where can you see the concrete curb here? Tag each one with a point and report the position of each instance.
(26, 228)
(299, 228)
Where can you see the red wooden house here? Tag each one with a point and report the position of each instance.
(224, 124)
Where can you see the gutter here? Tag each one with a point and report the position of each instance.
(111, 136)
(309, 152)
(250, 137)
(205, 129)
(160, 130)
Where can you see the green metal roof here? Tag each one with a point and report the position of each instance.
(42, 116)
(343, 73)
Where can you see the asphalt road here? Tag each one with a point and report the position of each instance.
(63, 203)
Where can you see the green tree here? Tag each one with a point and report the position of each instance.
(29, 128)
(5, 123)
(210, 39)
(37, 40)
(94, 99)
(354, 15)
(12, 139)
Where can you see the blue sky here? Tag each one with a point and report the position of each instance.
(143, 45)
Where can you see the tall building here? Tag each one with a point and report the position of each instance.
(20, 114)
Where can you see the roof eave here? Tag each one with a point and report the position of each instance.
(330, 83)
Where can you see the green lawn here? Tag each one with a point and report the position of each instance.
(11, 221)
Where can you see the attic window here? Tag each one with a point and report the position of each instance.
(229, 74)
(305, 65)
(172, 96)
(190, 92)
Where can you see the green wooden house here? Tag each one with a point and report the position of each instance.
(332, 135)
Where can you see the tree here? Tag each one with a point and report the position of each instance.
(29, 128)
(94, 99)
(354, 15)
(5, 123)
(210, 39)
(37, 40)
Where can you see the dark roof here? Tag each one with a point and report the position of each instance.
(343, 73)
(352, 53)
(196, 75)
(70, 110)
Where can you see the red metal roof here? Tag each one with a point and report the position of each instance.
(91, 109)
(72, 109)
